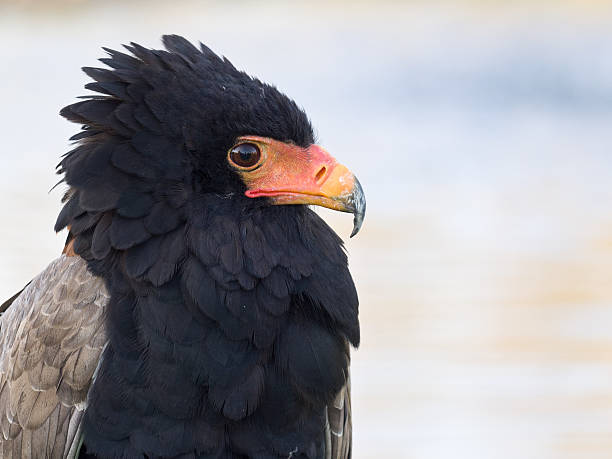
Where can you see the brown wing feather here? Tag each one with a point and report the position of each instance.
(338, 430)
(51, 338)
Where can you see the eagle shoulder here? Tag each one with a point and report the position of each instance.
(51, 339)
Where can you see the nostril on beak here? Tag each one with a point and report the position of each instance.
(320, 177)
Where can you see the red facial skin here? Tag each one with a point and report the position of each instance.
(289, 174)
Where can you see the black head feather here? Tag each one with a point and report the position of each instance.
(189, 103)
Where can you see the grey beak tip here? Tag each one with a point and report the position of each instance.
(356, 226)
(359, 202)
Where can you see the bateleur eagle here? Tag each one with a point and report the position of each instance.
(201, 309)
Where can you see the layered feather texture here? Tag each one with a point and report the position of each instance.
(229, 319)
(51, 339)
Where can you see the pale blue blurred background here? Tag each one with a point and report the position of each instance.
(482, 134)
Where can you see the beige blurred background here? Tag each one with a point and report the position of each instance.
(482, 133)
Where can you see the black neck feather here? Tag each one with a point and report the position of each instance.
(228, 332)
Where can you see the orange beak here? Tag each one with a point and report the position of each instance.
(288, 174)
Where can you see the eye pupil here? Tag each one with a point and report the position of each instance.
(245, 154)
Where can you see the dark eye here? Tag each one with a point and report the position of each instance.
(245, 154)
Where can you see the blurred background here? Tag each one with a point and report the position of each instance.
(482, 134)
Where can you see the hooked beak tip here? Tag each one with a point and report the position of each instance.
(359, 207)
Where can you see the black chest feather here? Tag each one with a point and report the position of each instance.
(229, 333)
